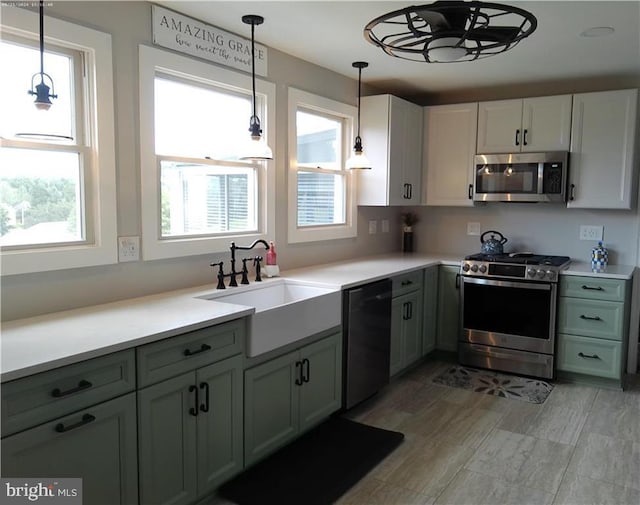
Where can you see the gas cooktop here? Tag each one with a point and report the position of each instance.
(520, 258)
(524, 266)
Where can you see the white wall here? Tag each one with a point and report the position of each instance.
(129, 23)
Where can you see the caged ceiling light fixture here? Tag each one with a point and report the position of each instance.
(42, 101)
(256, 148)
(450, 31)
(358, 160)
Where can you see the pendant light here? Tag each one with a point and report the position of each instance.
(256, 148)
(42, 101)
(358, 160)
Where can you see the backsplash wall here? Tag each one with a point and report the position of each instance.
(539, 228)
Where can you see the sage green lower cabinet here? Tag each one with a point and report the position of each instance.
(289, 394)
(190, 433)
(97, 444)
(448, 326)
(593, 327)
(429, 310)
(406, 331)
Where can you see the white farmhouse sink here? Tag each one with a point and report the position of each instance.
(285, 311)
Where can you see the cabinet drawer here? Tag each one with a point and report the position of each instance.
(589, 356)
(591, 318)
(173, 356)
(595, 288)
(406, 283)
(39, 398)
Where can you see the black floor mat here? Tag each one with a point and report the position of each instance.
(316, 469)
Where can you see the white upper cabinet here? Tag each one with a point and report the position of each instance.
(391, 131)
(601, 162)
(524, 125)
(449, 149)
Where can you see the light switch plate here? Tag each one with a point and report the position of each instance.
(128, 249)
(385, 226)
(373, 227)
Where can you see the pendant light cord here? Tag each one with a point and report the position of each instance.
(41, 41)
(359, 94)
(253, 66)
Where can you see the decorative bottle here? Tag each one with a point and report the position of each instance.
(599, 258)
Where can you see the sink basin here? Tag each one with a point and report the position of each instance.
(285, 311)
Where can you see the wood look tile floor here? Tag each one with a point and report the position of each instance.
(582, 446)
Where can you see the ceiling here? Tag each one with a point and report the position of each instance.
(330, 34)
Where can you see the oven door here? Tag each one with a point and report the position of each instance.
(509, 314)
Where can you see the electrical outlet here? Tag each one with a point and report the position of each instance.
(473, 228)
(385, 226)
(373, 227)
(591, 232)
(128, 249)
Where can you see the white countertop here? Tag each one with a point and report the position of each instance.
(583, 268)
(44, 342)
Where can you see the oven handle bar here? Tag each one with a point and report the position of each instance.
(491, 351)
(508, 284)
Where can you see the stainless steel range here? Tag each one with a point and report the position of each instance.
(508, 312)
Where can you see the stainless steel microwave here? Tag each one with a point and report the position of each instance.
(521, 177)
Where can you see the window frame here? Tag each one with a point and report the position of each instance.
(311, 103)
(96, 128)
(154, 61)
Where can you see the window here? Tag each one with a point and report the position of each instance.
(57, 190)
(321, 190)
(196, 195)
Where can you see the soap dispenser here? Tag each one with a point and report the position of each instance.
(271, 268)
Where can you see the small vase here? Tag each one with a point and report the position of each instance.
(407, 239)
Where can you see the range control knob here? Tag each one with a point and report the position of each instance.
(531, 272)
(541, 274)
(483, 268)
(465, 267)
(474, 268)
(551, 274)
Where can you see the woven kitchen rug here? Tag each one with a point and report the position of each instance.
(316, 469)
(496, 384)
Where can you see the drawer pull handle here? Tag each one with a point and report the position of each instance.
(597, 288)
(86, 419)
(82, 385)
(590, 318)
(582, 355)
(406, 283)
(203, 348)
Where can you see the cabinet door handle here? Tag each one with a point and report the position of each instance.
(597, 288)
(590, 318)
(203, 348)
(82, 385)
(457, 281)
(595, 356)
(405, 195)
(572, 189)
(524, 137)
(405, 311)
(299, 373)
(86, 419)
(205, 407)
(410, 192)
(410, 304)
(470, 191)
(306, 376)
(194, 410)
(518, 137)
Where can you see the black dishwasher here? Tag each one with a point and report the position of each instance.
(367, 335)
